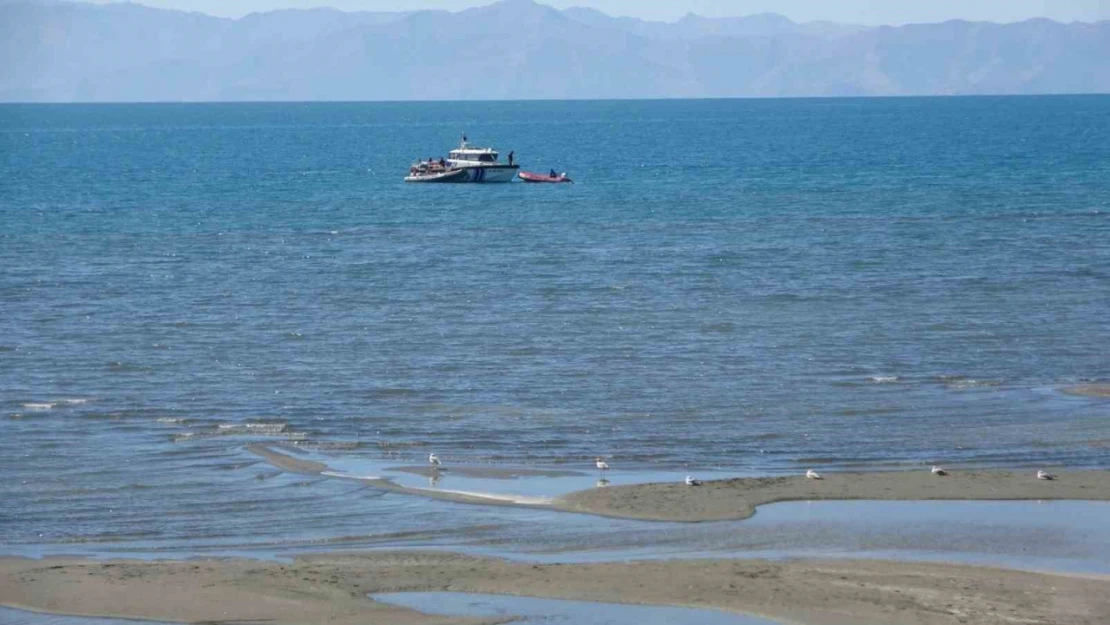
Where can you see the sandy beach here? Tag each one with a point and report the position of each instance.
(333, 589)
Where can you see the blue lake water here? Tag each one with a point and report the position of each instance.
(733, 286)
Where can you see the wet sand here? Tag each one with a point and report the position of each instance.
(334, 589)
(738, 498)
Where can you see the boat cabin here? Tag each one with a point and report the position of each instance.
(473, 155)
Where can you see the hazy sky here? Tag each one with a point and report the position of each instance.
(851, 11)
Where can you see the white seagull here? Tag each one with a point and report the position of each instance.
(939, 471)
(690, 481)
(601, 464)
(433, 460)
(813, 475)
(1045, 475)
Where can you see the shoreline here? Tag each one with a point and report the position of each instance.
(737, 499)
(335, 588)
(310, 467)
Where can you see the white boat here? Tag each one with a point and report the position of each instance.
(418, 174)
(481, 164)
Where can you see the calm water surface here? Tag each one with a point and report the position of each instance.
(731, 285)
(534, 611)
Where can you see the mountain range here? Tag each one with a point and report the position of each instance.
(54, 51)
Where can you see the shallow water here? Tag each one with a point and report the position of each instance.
(533, 610)
(9, 616)
(1063, 536)
(730, 286)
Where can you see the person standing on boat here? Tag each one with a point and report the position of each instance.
(511, 154)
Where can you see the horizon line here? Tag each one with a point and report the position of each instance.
(1077, 94)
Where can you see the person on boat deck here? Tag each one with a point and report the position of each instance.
(511, 154)
(442, 163)
(553, 174)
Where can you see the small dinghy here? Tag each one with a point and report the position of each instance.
(529, 176)
(450, 175)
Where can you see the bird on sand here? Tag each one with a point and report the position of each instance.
(601, 464)
(690, 481)
(939, 471)
(813, 475)
(433, 460)
(1045, 475)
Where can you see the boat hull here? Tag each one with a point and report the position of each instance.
(494, 174)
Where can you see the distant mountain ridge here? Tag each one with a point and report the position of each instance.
(693, 26)
(517, 49)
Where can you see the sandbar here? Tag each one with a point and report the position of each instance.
(737, 499)
(310, 467)
(333, 588)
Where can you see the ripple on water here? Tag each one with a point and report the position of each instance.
(118, 366)
(265, 429)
